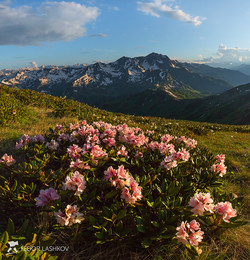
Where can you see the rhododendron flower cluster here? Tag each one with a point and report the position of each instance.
(7, 160)
(24, 140)
(117, 176)
(226, 210)
(37, 139)
(131, 191)
(201, 202)
(76, 183)
(122, 152)
(219, 166)
(46, 197)
(190, 143)
(70, 217)
(190, 233)
(53, 145)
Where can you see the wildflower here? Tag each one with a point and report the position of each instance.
(79, 164)
(59, 128)
(118, 178)
(53, 145)
(63, 137)
(122, 152)
(46, 197)
(109, 141)
(168, 163)
(76, 183)
(190, 143)
(97, 152)
(201, 202)
(181, 155)
(166, 138)
(70, 217)
(37, 139)
(74, 151)
(226, 210)
(166, 148)
(190, 233)
(132, 193)
(7, 160)
(219, 166)
(24, 140)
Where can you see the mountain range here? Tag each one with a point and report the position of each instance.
(130, 82)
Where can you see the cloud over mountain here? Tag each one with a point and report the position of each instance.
(160, 7)
(51, 21)
(228, 55)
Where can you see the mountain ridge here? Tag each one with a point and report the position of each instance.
(100, 82)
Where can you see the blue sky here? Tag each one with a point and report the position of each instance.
(84, 31)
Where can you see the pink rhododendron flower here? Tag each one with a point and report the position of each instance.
(46, 197)
(119, 177)
(59, 128)
(122, 152)
(153, 145)
(7, 160)
(109, 141)
(109, 133)
(61, 218)
(226, 210)
(148, 132)
(181, 155)
(93, 139)
(201, 202)
(166, 148)
(70, 217)
(190, 233)
(53, 145)
(24, 140)
(220, 158)
(74, 126)
(63, 137)
(74, 151)
(181, 139)
(79, 164)
(166, 138)
(97, 152)
(132, 193)
(76, 183)
(37, 139)
(168, 163)
(219, 168)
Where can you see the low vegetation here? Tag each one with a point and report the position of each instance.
(119, 190)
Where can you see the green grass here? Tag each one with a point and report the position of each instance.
(233, 141)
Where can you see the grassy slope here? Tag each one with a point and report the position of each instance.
(234, 141)
(230, 107)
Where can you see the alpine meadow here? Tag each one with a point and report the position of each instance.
(124, 130)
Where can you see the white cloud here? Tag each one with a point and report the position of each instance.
(227, 55)
(160, 7)
(51, 21)
(236, 54)
(103, 35)
(34, 65)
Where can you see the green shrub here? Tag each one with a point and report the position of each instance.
(118, 183)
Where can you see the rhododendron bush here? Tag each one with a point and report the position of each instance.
(117, 182)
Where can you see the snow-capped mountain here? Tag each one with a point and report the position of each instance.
(101, 82)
